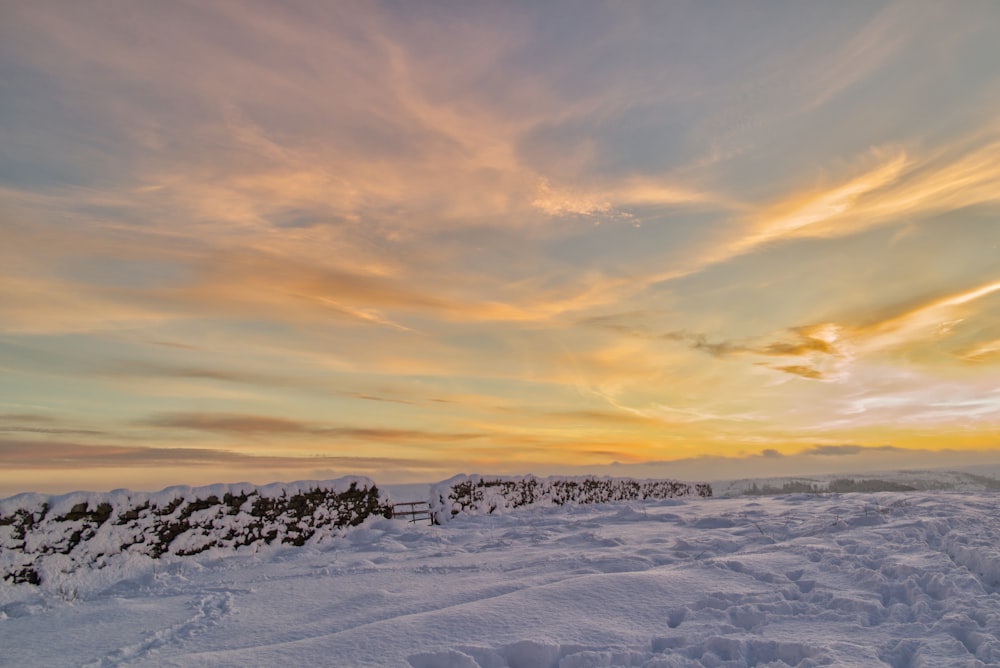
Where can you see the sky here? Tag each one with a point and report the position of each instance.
(259, 241)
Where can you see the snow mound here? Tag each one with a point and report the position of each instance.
(488, 495)
(42, 537)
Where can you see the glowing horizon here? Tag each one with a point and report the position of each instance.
(289, 240)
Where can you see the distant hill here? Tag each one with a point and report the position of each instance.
(888, 481)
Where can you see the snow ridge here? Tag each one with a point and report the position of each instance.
(487, 495)
(42, 537)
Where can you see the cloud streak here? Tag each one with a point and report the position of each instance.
(846, 450)
(36, 455)
(259, 425)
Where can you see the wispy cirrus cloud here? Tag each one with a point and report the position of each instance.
(888, 186)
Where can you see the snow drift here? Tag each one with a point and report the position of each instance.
(887, 580)
(478, 495)
(43, 536)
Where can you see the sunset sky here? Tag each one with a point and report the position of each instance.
(280, 240)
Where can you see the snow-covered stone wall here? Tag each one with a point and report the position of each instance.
(52, 534)
(481, 495)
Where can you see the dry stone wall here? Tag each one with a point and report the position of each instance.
(41, 533)
(480, 495)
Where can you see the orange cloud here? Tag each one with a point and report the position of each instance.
(613, 200)
(813, 213)
(982, 352)
(924, 321)
(42, 306)
(800, 370)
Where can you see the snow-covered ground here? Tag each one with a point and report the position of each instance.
(897, 579)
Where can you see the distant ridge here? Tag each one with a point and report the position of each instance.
(885, 481)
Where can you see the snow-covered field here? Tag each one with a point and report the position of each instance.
(897, 579)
